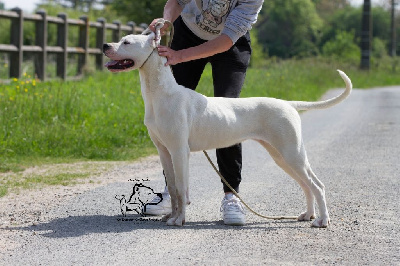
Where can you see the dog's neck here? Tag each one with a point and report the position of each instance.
(155, 77)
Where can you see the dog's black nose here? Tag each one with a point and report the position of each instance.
(106, 46)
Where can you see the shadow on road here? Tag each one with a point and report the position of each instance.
(74, 226)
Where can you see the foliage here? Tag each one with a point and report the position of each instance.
(142, 11)
(326, 8)
(349, 20)
(83, 5)
(257, 54)
(342, 47)
(291, 28)
(378, 48)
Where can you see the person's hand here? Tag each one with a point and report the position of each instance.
(173, 57)
(152, 27)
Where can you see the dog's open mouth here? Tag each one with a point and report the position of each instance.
(120, 64)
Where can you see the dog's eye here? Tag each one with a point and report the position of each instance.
(126, 42)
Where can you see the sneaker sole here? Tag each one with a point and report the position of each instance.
(237, 222)
(156, 212)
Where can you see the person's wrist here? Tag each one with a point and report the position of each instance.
(181, 56)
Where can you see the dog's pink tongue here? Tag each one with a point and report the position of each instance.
(111, 63)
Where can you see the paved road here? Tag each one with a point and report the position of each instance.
(352, 147)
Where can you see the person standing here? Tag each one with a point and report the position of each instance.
(215, 32)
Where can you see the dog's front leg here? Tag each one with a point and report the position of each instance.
(166, 162)
(180, 160)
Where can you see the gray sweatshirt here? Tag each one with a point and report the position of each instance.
(210, 18)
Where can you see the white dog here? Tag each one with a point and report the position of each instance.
(180, 120)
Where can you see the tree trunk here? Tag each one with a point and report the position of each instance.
(366, 35)
(393, 32)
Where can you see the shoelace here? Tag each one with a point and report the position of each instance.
(232, 204)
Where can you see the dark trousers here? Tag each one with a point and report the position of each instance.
(228, 71)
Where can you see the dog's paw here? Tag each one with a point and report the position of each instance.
(166, 217)
(321, 222)
(180, 221)
(171, 221)
(176, 220)
(306, 216)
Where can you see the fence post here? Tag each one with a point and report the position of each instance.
(41, 40)
(116, 34)
(133, 25)
(62, 41)
(16, 38)
(100, 40)
(83, 43)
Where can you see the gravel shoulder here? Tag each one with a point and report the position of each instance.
(352, 147)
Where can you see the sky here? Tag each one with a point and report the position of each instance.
(30, 5)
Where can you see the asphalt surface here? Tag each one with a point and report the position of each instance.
(352, 147)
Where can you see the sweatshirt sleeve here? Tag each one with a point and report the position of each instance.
(241, 18)
(182, 3)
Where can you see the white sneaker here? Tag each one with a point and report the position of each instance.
(232, 210)
(158, 206)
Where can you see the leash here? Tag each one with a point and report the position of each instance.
(244, 203)
(160, 23)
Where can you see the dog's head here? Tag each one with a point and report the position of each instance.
(130, 53)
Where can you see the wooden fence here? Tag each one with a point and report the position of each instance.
(16, 49)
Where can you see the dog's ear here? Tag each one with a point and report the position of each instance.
(152, 40)
(146, 31)
(152, 36)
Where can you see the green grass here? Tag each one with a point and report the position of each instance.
(56, 179)
(101, 117)
(98, 118)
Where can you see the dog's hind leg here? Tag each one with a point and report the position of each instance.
(297, 161)
(324, 219)
(277, 157)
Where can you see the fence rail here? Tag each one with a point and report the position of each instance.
(41, 49)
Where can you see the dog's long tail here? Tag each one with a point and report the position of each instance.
(298, 105)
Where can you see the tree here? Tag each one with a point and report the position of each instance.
(81, 5)
(291, 28)
(143, 11)
(349, 19)
(326, 8)
(342, 47)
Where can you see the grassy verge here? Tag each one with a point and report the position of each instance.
(101, 117)
(63, 174)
